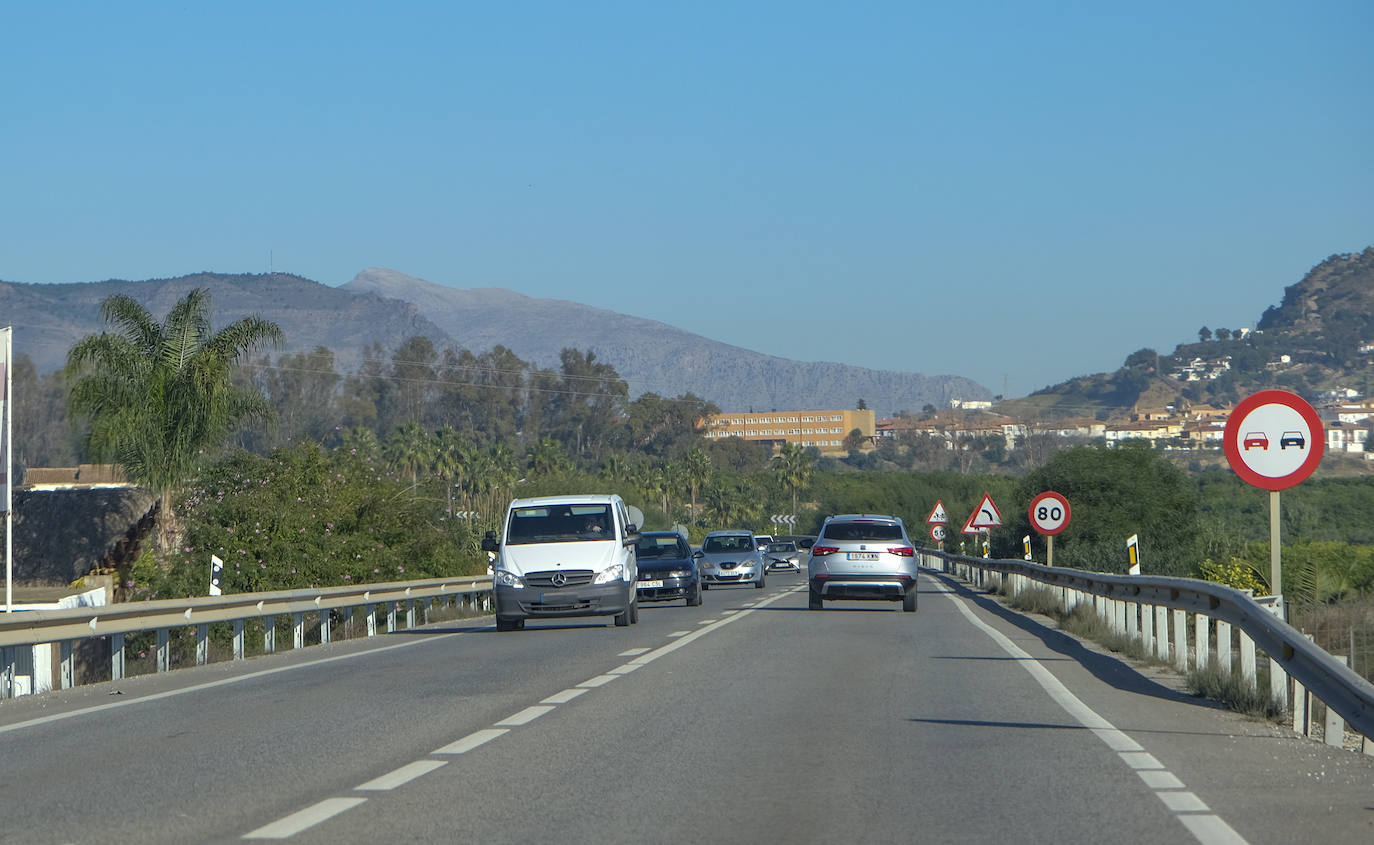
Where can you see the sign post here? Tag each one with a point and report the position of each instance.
(1274, 440)
(1049, 514)
(937, 520)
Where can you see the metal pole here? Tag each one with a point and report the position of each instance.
(1049, 550)
(6, 420)
(1275, 550)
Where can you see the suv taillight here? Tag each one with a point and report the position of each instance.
(822, 551)
(902, 551)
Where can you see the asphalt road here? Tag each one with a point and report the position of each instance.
(748, 719)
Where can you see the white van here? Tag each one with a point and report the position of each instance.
(560, 556)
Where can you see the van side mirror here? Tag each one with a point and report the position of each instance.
(490, 543)
(631, 534)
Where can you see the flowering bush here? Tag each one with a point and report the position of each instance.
(307, 518)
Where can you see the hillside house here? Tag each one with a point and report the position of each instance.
(1344, 437)
(1154, 431)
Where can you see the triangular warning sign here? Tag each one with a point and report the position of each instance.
(985, 515)
(938, 515)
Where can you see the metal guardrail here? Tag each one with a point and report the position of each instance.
(1325, 676)
(34, 627)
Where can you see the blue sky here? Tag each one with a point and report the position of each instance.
(1014, 192)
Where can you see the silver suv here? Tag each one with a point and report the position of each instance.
(863, 556)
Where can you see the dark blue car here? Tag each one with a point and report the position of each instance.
(667, 570)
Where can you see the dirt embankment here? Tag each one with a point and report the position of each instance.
(61, 535)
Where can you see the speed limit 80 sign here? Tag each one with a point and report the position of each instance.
(1050, 513)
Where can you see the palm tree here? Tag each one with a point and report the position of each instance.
(454, 456)
(793, 468)
(160, 396)
(697, 465)
(409, 449)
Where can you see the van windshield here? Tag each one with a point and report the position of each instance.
(560, 524)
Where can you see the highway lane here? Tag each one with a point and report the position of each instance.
(730, 722)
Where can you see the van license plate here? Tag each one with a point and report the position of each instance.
(862, 556)
(650, 585)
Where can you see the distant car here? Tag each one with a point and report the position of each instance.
(763, 540)
(863, 556)
(1255, 440)
(1292, 438)
(730, 557)
(782, 555)
(667, 570)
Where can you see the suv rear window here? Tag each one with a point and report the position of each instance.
(862, 531)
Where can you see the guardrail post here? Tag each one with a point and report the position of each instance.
(1162, 632)
(371, 620)
(324, 626)
(1201, 640)
(7, 672)
(1302, 709)
(238, 639)
(391, 617)
(116, 657)
(67, 678)
(1181, 640)
(269, 635)
(1120, 616)
(298, 629)
(1226, 656)
(1132, 623)
(164, 650)
(1278, 684)
(1334, 733)
(410, 615)
(1147, 627)
(202, 644)
(1247, 660)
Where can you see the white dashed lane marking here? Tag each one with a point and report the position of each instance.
(402, 776)
(563, 697)
(524, 717)
(471, 741)
(302, 819)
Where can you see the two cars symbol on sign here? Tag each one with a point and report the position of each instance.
(1269, 418)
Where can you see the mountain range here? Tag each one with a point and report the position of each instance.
(380, 306)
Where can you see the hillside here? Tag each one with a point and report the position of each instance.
(1310, 343)
(385, 307)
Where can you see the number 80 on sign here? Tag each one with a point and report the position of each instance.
(1049, 513)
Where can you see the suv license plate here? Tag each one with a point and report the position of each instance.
(862, 556)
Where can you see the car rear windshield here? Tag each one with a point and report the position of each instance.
(666, 547)
(560, 523)
(739, 543)
(863, 531)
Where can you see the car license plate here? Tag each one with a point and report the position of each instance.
(650, 585)
(862, 556)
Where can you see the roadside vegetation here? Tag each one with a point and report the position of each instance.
(296, 475)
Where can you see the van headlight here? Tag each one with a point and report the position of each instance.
(506, 578)
(610, 573)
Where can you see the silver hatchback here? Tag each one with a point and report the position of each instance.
(730, 557)
(864, 557)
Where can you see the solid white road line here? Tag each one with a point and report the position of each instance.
(1216, 832)
(471, 741)
(633, 652)
(524, 717)
(309, 817)
(402, 776)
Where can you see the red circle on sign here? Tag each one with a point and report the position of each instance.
(1241, 438)
(1050, 524)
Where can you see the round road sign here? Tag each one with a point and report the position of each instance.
(937, 533)
(1274, 439)
(1050, 513)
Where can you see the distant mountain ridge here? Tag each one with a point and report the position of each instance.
(385, 307)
